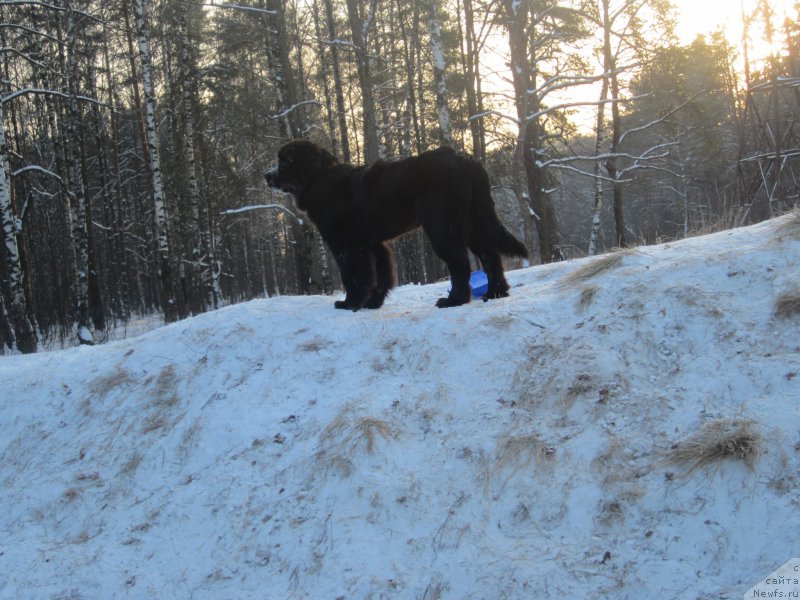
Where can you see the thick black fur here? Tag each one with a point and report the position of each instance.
(358, 209)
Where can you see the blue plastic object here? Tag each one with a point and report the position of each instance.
(479, 284)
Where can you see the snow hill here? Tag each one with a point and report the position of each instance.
(626, 426)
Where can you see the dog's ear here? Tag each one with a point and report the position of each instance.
(305, 160)
(322, 158)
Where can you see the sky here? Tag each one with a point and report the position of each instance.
(694, 17)
(702, 16)
(705, 16)
(544, 445)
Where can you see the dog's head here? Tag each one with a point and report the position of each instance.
(299, 163)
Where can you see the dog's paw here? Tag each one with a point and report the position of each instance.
(374, 302)
(494, 295)
(344, 305)
(448, 302)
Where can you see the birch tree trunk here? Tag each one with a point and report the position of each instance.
(610, 65)
(440, 81)
(600, 128)
(215, 266)
(7, 338)
(23, 329)
(416, 68)
(597, 213)
(168, 303)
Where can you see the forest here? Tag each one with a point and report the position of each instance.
(134, 137)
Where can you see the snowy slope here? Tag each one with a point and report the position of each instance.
(519, 448)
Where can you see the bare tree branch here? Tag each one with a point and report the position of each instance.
(236, 211)
(294, 107)
(26, 91)
(241, 7)
(38, 169)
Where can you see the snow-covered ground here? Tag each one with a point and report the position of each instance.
(521, 448)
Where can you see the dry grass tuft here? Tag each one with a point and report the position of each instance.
(588, 294)
(595, 267)
(154, 423)
(314, 345)
(343, 439)
(787, 305)
(718, 440)
(519, 454)
(583, 385)
(729, 218)
(611, 513)
(101, 386)
(500, 322)
(165, 388)
(131, 465)
(522, 451)
(368, 429)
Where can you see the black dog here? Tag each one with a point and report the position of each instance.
(357, 209)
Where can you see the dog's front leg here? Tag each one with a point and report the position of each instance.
(357, 268)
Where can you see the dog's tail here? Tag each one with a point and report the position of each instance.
(508, 245)
(495, 234)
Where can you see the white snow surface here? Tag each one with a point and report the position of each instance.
(518, 448)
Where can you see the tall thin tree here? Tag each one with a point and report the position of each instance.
(23, 328)
(168, 300)
(439, 74)
(341, 112)
(359, 28)
(522, 41)
(76, 188)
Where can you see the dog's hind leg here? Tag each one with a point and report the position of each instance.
(454, 253)
(490, 239)
(498, 286)
(460, 292)
(493, 266)
(448, 236)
